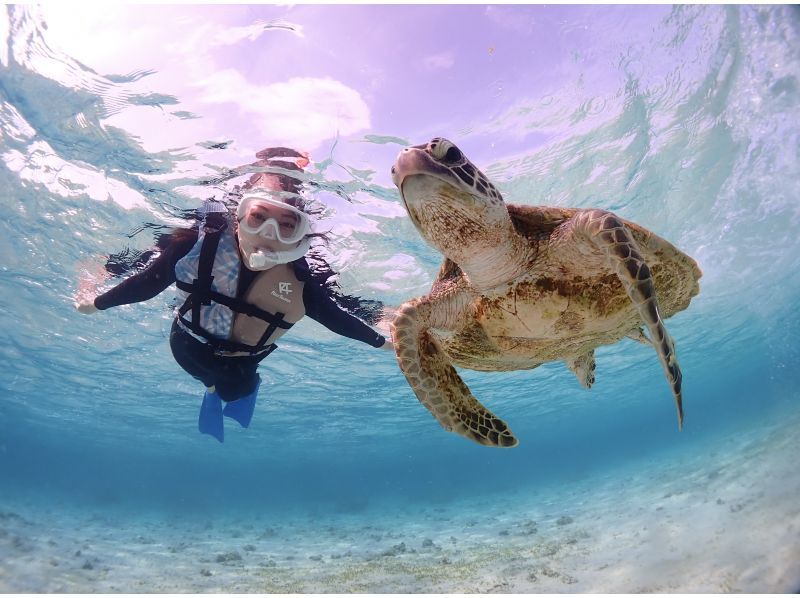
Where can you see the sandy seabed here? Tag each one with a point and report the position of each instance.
(728, 521)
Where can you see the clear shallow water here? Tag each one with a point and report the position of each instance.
(681, 119)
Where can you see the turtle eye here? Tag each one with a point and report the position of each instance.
(442, 149)
(453, 154)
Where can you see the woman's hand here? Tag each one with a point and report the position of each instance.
(85, 307)
(90, 277)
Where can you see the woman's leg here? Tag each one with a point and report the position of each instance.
(231, 377)
(236, 377)
(196, 358)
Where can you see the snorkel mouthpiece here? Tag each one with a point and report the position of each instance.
(262, 260)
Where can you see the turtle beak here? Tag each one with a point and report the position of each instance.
(399, 183)
(397, 170)
(405, 205)
(398, 176)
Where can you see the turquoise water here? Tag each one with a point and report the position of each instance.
(683, 119)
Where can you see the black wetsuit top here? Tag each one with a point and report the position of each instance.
(233, 376)
(161, 273)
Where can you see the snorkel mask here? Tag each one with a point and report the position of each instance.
(261, 215)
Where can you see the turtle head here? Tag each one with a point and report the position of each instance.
(452, 204)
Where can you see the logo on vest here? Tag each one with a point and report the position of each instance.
(285, 289)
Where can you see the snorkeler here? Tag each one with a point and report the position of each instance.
(242, 282)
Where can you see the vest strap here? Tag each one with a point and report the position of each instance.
(204, 280)
(224, 345)
(270, 329)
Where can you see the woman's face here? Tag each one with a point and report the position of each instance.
(270, 231)
(250, 244)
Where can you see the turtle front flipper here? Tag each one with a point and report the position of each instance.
(439, 387)
(609, 233)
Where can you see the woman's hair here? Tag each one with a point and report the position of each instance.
(311, 268)
(271, 157)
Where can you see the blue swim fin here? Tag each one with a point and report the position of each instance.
(242, 409)
(210, 420)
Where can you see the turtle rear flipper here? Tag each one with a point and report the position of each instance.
(639, 336)
(609, 233)
(583, 367)
(439, 387)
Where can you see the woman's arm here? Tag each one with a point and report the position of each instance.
(152, 280)
(324, 310)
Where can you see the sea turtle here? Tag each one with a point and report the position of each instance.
(524, 285)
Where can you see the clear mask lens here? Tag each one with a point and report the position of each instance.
(273, 219)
